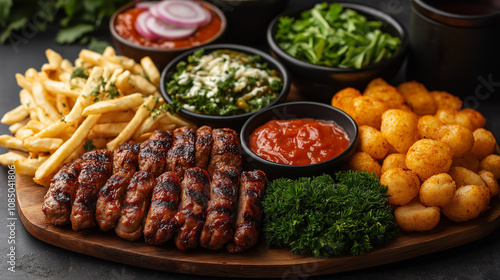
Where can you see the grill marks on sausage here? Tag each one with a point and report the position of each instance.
(135, 206)
(182, 155)
(161, 224)
(221, 210)
(58, 199)
(203, 146)
(95, 169)
(191, 215)
(153, 152)
(226, 150)
(249, 219)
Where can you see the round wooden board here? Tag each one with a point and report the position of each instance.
(259, 262)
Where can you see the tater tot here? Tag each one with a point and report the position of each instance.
(366, 110)
(362, 161)
(375, 83)
(491, 163)
(372, 142)
(417, 217)
(429, 157)
(459, 138)
(418, 98)
(438, 190)
(403, 185)
(430, 127)
(484, 143)
(392, 161)
(445, 100)
(344, 97)
(476, 119)
(490, 181)
(469, 118)
(468, 161)
(400, 128)
(469, 201)
(463, 176)
(388, 94)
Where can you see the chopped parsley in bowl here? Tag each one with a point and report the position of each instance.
(223, 83)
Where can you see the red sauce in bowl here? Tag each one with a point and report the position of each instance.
(125, 22)
(299, 141)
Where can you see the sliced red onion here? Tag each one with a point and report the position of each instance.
(142, 28)
(183, 13)
(145, 5)
(208, 17)
(169, 31)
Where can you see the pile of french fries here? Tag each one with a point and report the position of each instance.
(100, 101)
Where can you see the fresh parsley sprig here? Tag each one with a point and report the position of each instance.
(326, 216)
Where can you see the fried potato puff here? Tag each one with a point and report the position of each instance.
(415, 216)
(429, 157)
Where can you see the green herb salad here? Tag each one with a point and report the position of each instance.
(330, 35)
(223, 83)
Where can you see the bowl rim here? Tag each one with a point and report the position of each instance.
(249, 152)
(241, 48)
(130, 5)
(363, 9)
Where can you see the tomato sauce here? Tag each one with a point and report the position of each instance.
(125, 27)
(299, 141)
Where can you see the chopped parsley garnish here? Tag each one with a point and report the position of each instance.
(89, 146)
(326, 216)
(80, 72)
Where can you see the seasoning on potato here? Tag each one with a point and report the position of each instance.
(403, 185)
(438, 190)
(400, 128)
(372, 142)
(428, 157)
(415, 216)
(392, 161)
(362, 161)
(468, 203)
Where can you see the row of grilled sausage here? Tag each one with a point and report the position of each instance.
(183, 185)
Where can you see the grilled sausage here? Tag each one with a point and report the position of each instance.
(160, 223)
(221, 209)
(135, 206)
(195, 191)
(59, 198)
(110, 196)
(182, 154)
(225, 150)
(96, 167)
(153, 152)
(249, 214)
(203, 146)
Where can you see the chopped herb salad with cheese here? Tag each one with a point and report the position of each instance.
(223, 83)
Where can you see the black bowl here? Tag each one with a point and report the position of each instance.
(299, 110)
(235, 121)
(320, 83)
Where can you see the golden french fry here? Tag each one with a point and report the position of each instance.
(9, 158)
(23, 133)
(141, 114)
(31, 74)
(177, 120)
(40, 145)
(49, 167)
(142, 85)
(112, 117)
(28, 166)
(22, 81)
(108, 130)
(62, 105)
(144, 137)
(61, 88)
(53, 58)
(34, 125)
(109, 51)
(15, 115)
(149, 125)
(42, 116)
(151, 70)
(15, 127)
(27, 99)
(67, 66)
(91, 57)
(123, 103)
(41, 100)
(166, 126)
(10, 142)
(92, 86)
(53, 130)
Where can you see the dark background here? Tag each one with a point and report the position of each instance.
(36, 259)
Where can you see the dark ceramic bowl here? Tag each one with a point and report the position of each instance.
(161, 57)
(320, 83)
(299, 110)
(235, 121)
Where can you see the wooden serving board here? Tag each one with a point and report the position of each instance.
(259, 262)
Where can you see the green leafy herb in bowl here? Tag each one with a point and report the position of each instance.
(223, 83)
(328, 216)
(330, 35)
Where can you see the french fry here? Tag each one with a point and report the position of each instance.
(28, 166)
(131, 127)
(27, 99)
(36, 126)
(10, 142)
(9, 158)
(15, 115)
(22, 81)
(93, 85)
(108, 130)
(151, 70)
(24, 133)
(61, 88)
(15, 127)
(40, 145)
(112, 117)
(177, 120)
(91, 57)
(123, 103)
(49, 167)
(62, 105)
(40, 96)
(53, 58)
(42, 116)
(142, 85)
